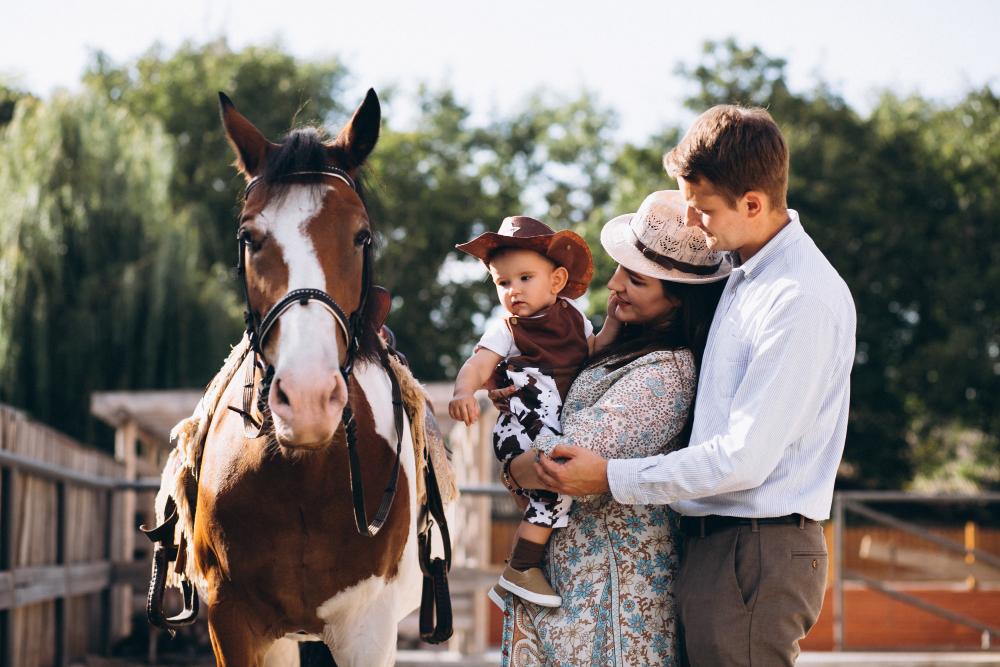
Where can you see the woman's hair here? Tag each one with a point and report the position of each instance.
(687, 329)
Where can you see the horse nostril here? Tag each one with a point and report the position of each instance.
(282, 398)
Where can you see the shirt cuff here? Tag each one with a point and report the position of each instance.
(623, 478)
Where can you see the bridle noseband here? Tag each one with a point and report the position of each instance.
(257, 330)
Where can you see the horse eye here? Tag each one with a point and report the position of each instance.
(363, 237)
(248, 238)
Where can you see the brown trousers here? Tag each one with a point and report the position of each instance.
(746, 597)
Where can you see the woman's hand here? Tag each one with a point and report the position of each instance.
(612, 325)
(612, 306)
(583, 473)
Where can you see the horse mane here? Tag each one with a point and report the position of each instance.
(304, 149)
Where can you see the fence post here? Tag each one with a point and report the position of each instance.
(62, 622)
(8, 478)
(838, 573)
(125, 452)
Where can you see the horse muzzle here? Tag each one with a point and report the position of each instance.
(307, 408)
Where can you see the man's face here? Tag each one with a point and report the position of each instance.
(723, 227)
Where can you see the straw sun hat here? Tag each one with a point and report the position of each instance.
(654, 242)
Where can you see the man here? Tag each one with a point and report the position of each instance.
(770, 416)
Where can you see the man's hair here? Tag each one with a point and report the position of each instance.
(736, 150)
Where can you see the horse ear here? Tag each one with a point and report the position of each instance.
(252, 148)
(358, 138)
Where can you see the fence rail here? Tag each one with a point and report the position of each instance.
(845, 501)
(60, 515)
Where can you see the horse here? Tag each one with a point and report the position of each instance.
(281, 540)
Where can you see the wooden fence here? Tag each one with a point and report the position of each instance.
(61, 519)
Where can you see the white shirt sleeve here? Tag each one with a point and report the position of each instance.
(498, 339)
(795, 357)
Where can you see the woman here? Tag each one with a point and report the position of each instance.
(614, 564)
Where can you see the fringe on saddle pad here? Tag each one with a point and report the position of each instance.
(180, 472)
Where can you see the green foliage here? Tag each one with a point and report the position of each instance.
(118, 218)
(904, 205)
(445, 183)
(8, 100)
(98, 287)
(268, 86)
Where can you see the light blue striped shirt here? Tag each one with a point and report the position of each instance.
(773, 394)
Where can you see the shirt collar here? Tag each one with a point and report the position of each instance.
(784, 238)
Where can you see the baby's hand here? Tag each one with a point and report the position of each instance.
(464, 408)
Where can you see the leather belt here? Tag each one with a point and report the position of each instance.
(700, 526)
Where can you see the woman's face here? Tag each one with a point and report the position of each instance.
(641, 299)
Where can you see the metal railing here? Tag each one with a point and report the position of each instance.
(852, 501)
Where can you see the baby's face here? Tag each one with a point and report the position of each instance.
(526, 281)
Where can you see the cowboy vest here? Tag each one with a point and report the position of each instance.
(553, 341)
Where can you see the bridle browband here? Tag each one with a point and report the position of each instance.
(257, 330)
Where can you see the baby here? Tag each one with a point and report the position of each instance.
(539, 347)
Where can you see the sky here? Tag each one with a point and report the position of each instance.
(495, 54)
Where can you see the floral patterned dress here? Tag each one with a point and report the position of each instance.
(614, 564)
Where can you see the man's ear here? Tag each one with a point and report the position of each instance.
(559, 279)
(756, 203)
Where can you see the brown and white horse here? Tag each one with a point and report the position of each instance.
(274, 532)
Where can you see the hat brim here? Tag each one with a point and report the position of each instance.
(565, 248)
(618, 240)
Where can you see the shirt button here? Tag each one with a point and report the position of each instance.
(564, 304)
(510, 367)
(513, 320)
(631, 500)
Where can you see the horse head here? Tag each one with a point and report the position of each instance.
(304, 226)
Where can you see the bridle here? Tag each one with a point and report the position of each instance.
(257, 329)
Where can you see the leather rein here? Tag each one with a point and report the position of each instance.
(257, 330)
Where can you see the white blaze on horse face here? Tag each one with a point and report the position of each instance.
(308, 393)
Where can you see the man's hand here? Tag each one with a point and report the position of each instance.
(464, 408)
(584, 473)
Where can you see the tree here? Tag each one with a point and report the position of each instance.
(98, 284)
(445, 183)
(269, 86)
(903, 205)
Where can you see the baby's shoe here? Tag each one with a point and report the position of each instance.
(499, 596)
(530, 585)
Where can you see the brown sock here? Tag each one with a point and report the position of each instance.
(526, 554)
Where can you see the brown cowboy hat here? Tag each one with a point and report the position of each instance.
(565, 248)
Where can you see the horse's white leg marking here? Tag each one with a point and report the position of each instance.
(361, 621)
(283, 653)
(305, 356)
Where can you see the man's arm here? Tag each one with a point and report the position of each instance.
(777, 400)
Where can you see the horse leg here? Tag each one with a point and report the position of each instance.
(236, 640)
(367, 640)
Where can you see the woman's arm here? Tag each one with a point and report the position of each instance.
(637, 416)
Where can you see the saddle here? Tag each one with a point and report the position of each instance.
(435, 489)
